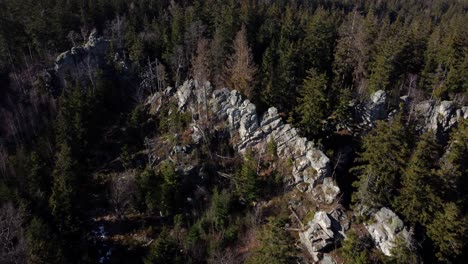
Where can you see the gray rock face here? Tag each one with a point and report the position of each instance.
(372, 110)
(440, 118)
(323, 231)
(183, 93)
(310, 165)
(91, 52)
(376, 106)
(319, 235)
(385, 229)
(197, 134)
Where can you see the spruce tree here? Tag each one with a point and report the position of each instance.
(418, 198)
(382, 161)
(448, 232)
(275, 245)
(63, 201)
(312, 103)
(42, 245)
(454, 167)
(247, 179)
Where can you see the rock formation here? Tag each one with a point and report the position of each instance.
(91, 52)
(439, 117)
(385, 228)
(311, 167)
(368, 112)
(323, 231)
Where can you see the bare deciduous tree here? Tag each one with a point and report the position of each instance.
(201, 69)
(193, 33)
(201, 72)
(240, 69)
(12, 243)
(73, 37)
(178, 64)
(117, 28)
(122, 188)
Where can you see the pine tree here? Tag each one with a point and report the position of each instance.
(419, 198)
(313, 103)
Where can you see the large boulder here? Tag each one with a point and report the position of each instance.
(384, 228)
(439, 117)
(323, 231)
(368, 112)
(184, 94)
(319, 236)
(376, 108)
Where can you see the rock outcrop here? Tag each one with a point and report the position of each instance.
(386, 226)
(310, 165)
(376, 107)
(323, 231)
(92, 51)
(440, 118)
(368, 112)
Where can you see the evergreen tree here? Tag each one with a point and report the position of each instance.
(169, 188)
(63, 200)
(404, 251)
(247, 179)
(354, 47)
(164, 250)
(448, 231)
(41, 244)
(318, 42)
(454, 168)
(313, 103)
(356, 249)
(382, 161)
(275, 245)
(148, 195)
(220, 207)
(419, 195)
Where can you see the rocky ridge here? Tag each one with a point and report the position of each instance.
(310, 165)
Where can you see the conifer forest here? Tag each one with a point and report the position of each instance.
(233, 131)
